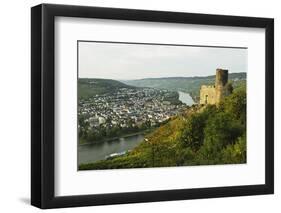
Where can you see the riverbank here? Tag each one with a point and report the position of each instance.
(143, 132)
(99, 151)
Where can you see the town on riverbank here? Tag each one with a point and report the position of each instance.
(125, 111)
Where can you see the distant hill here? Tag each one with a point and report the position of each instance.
(91, 86)
(186, 84)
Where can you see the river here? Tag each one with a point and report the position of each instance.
(88, 153)
(98, 151)
(185, 98)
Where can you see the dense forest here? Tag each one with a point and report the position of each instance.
(202, 135)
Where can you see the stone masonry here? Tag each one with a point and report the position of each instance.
(213, 94)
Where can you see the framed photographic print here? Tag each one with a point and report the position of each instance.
(139, 106)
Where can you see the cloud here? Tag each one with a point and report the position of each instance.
(135, 61)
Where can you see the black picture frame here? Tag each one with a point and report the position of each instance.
(43, 102)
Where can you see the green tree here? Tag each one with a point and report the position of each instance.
(235, 105)
(221, 130)
(235, 153)
(192, 133)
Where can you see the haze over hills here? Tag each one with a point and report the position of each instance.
(91, 86)
(190, 85)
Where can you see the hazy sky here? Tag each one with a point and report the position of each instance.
(136, 61)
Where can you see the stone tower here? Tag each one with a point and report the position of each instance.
(213, 94)
(221, 81)
(221, 77)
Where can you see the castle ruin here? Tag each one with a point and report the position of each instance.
(213, 94)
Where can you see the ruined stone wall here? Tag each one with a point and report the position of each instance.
(208, 95)
(215, 93)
